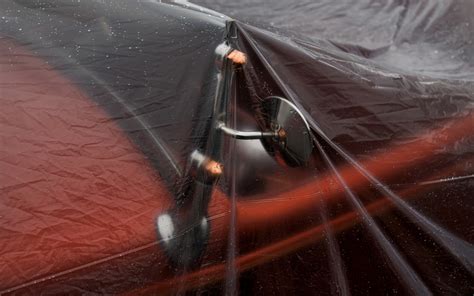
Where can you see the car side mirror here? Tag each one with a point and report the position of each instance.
(288, 137)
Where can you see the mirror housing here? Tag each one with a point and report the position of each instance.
(294, 144)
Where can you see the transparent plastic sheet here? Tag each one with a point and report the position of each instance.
(110, 107)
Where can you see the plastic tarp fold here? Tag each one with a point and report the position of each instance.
(109, 108)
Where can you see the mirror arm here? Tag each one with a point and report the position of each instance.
(244, 135)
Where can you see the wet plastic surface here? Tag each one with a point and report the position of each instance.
(109, 114)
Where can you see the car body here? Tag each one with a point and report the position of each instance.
(104, 102)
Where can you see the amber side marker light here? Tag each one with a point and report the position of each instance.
(237, 57)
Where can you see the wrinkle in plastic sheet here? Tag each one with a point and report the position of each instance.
(103, 102)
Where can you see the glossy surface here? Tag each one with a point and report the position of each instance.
(104, 101)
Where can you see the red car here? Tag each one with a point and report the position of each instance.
(163, 148)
